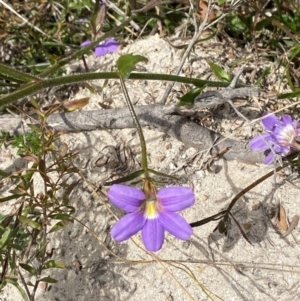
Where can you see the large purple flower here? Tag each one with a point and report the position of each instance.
(109, 45)
(151, 212)
(281, 135)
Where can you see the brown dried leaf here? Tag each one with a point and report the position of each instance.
(247, 226)
(281, 219)
(203, 10)
(72, 105)
(63, 150)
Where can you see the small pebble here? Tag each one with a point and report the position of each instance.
(202, 197)
(199, 174)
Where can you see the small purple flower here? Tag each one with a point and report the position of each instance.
(109, 45)
(281, 135)
(151, 212)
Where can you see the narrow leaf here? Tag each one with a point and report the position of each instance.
(26, 221)
(5, 238)
(289, 95)
(219, 72)
(20, 289)
(62, 216)
(34, 128)
(263, 75)
(13, 262)
(127, 178)
(189, 97)
(60, 225)
(10, 197)
(3, 173)
(126, 63)
(54, 264)
(48, 280)
(31, 270)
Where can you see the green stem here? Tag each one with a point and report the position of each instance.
(71, 79)
(12, 74)
(137, 125)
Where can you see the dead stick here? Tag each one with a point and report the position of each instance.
(157, 116)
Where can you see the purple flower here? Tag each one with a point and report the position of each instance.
(281, 135)
(151, 212)
(109, 45)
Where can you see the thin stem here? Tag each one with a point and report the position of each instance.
(137, 125)
(25, 285)
(198, 32)
(251, 186)
(48, 83)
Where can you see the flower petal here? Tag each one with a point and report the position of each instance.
(176, 225)
(286, 119)
(270, 121)
(111, 45)
(270, 158)
(100, 51)
(285, 135)
(126, 197)
(127, 226)
(108, 46)
(176, 198)
(259, 144)
(85, 43)
(153, 235)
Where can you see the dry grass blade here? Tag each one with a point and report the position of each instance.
(22, 18)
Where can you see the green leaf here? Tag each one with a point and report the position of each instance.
(189, 97)
(219, 72)
(163, 175)
(48, 280)
(266, 71)
(289, 79)
(59, 225)
(62, 216)
(54, 264)
(294, 52)
(13, 262)
(262, 24)
(126, 63)
(2, 285)
(289, 95)
(3, 173)
(10, 197)
(5, 238)
(127, 178)
(34, 128)
(20, 289)
(31, 270)
(26, 221)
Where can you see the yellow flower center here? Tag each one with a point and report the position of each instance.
(152, 206)
(151, 211)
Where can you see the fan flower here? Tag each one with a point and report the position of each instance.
(109, 45)
(151, 212)
(281, 135)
